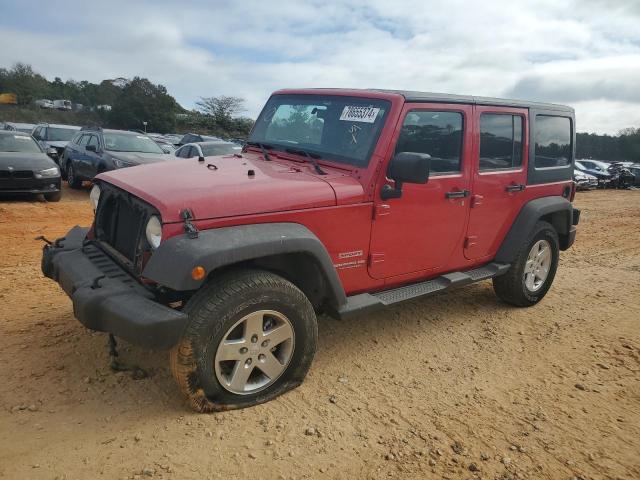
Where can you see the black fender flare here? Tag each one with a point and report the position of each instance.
(171, 264)
(558, 208)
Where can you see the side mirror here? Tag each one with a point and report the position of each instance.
(406, 167)
(52, 152)
(91, 148)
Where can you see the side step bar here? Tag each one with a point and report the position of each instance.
(367, 302)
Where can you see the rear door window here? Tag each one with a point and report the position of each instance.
(437, 133)
(553, 141)
(500, 141)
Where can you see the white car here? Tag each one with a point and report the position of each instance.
(584, 181)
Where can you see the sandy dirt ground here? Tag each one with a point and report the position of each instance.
(454, 386)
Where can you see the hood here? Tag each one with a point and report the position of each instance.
(222, 186)
(140, 158)
(25, 161)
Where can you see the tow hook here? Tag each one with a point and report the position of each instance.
(189, 228)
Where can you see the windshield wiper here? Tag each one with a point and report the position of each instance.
(263, 147)
(312, 158)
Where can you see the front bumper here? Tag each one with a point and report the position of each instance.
(107, 298)
(30, 185)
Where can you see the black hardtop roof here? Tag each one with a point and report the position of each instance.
(426, 97)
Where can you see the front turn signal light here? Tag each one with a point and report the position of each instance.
(198, 273)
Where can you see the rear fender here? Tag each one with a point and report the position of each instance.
(556, 210)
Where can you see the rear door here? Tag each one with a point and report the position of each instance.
(421, 233)
(499, 177)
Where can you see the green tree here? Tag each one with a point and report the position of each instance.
(142, 101)
(221, 109)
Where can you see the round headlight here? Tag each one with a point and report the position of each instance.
(154, 231)
(94, 197)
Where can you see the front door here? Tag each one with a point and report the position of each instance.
(499, 177)
(423, 231)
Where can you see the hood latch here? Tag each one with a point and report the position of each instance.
(189, 228)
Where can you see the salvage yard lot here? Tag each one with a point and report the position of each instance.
(453, 386)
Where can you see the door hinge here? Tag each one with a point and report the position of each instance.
(476, 200)
(381, 210)
(470, 241)
(375, 258)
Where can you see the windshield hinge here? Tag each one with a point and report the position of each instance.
(189, 228)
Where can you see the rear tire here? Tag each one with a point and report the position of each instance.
(222, 340)
(525, 285)
(53, 196)
(71, 177)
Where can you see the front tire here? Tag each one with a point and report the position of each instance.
(53, 196)
(251, 337)
(532, 273)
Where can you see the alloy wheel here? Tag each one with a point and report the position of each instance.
(254, 352)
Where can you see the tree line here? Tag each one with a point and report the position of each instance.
(133, 101)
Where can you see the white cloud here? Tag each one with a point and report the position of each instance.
(584, 53)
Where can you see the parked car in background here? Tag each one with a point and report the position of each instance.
(26, 168)
(635, 169)
(622, 177)
(44, 103)
(207, 149)
(584, 181)
(94, 150)
(53, 138)
(596, 168)
(195, 137)
(173, 138)
(19, 127)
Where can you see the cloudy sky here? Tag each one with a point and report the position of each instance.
(584, 53)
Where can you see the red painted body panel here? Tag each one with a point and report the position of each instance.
(420, 235)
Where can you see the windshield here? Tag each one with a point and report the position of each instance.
(18, 143)
(127, 142)
(344, 129)
(220, 149)
(59, 134)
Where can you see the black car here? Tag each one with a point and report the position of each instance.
(94, 150)
(208, 149)
(196, 138)
(26, 168)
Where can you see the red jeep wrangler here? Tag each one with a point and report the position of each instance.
(342, 201)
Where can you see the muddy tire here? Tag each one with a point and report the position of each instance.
(251, 337)
(532, 273)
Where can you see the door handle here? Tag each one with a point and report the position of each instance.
(515, 187)
(457, 194)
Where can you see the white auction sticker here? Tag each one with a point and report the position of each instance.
(21, 137)
(353, 113)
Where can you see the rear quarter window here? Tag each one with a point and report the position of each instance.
(552, 141)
